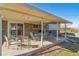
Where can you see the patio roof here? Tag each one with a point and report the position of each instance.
(27, 13)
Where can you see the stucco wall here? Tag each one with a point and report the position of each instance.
(4, 27)
(27, 28)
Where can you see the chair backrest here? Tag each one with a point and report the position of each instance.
(6, 38)
(32, 36)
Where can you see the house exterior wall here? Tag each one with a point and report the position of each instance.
(4, 27)
(4, 30)
(27, 29)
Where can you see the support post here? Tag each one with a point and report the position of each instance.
(57, 32)
(65, 31)
(41, 33)
(0, 34)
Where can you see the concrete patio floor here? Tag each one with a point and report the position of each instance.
(13, 51)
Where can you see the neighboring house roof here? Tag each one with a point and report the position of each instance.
(27, 13)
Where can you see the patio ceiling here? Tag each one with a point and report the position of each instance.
(27, 14)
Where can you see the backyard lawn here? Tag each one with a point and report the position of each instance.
(70, 49)
(67, 52)
(76, 39)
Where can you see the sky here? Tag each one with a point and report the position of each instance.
(68, 11)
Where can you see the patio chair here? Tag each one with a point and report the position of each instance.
(8, 41)
(32, 36)
(19, 42)
(16, 42)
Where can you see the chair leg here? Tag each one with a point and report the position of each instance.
(17, 46)
(21, 46)
(5, 44)
(8, 44)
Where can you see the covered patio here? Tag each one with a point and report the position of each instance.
(30, 25)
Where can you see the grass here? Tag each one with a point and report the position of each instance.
(70, 49)
(76, 39)
(67, 52)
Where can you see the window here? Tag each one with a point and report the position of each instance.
(15, 30)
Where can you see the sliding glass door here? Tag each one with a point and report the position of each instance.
(15, 29)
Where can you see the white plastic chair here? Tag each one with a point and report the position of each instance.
(16, 42)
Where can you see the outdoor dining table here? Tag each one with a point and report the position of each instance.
(20, 39)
